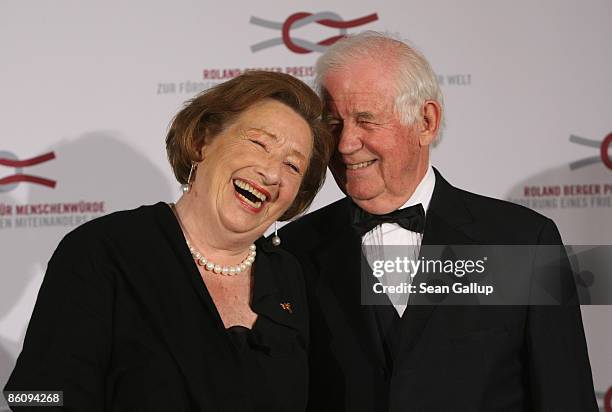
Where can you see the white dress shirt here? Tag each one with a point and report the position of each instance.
(393, 234)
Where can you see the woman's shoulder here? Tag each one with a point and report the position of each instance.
(118, 228)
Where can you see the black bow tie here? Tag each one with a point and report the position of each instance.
(411, 218)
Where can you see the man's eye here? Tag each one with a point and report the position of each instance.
(367, 124)
(335, 127)
(258, 143)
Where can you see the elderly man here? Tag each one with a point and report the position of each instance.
(385, 108)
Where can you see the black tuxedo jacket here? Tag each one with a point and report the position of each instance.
(123, 322)
(450, 358)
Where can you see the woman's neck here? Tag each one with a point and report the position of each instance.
(224, 248)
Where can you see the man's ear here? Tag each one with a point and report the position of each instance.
(430, 123)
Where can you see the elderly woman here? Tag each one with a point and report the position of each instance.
(186, 307)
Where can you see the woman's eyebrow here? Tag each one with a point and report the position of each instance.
(264, 131)
(298, 154)
(293, 152)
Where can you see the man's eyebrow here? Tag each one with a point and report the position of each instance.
(328, 117)
(365, 115)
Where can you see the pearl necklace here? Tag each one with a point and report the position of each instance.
(223, 270)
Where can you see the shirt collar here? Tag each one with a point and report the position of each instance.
(423, 192)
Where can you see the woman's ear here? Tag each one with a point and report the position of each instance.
(201, 151)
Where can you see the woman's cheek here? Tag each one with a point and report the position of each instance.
(295, 187)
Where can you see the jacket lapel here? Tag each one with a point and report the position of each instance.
(267, 299)
(447, 222)
(190, 333)
(341, 284)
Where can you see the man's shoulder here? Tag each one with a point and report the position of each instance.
(307, 231)
(323, 215)
(485, 205)
(503, 220)
(486, 219)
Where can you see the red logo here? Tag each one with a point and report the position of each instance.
(10, 182)
(300, 19)
(604, 149)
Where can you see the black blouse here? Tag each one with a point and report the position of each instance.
(124, 322)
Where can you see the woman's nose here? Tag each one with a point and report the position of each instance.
(270, 171)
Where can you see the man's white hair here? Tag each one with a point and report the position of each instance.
(416, 81)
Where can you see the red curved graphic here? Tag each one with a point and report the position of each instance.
(605, 157)
(608, 398)
(27, 162)
(37, 180)
(20, 177)
(349, 23)
(325, 22)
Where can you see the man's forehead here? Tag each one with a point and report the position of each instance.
(355, 102)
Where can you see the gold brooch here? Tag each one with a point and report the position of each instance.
(286, 306)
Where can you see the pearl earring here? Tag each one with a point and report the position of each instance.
(275, 239)
(187, 186)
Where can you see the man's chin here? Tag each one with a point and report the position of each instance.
(364, 197)
(371, 205)
(362, 193)
(377, 204)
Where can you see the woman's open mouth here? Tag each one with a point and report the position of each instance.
(249, 195)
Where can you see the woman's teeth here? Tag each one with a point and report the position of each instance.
(359, 165)
(249, 194)
(245, 186)
(256, 205)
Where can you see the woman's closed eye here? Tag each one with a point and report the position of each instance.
(259, 143)
(293, 167)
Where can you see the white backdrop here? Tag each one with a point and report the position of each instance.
(92, 86)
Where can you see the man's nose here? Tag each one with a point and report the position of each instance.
(349, 140)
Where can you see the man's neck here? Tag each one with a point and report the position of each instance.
(385, 204)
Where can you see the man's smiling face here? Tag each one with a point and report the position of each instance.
(377, 158)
